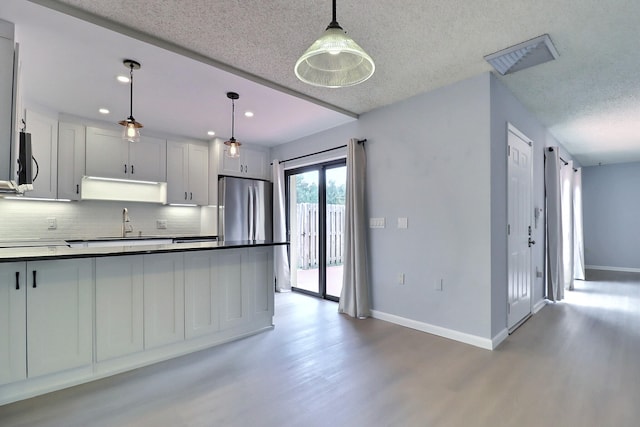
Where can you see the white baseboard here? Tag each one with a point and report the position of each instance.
(539, 305)
(497, 340)
(602, 267)
(486, 343)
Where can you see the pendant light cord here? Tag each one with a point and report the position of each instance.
(334, 22)
(233, 116)
(131, 92)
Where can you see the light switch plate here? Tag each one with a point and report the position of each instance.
(161, 224)
(376, 223)
(403, 223)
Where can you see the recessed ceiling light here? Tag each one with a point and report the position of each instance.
(123, 79)
(103, 111)
(248, 114)
(211, 133)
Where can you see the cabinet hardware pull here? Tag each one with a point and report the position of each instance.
(77, 188)
(17, 280)
(132, 172)
(190, 196)
(125, 168)
(34, 278)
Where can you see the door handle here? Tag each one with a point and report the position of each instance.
(34, 278)
(17, 280)
(132, 172)
(531, 242)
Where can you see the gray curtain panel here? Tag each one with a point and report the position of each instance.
(555, 280)
(354, 298)
(280, 258)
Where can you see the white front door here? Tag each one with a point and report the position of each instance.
(519, 227)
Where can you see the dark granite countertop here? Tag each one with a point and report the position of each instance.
(62, 251)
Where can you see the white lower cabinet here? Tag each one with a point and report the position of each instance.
(201, 294)
(119, 306)
(258, 273)
(147, 308)
(13, 325)
(163, 299)
(234, 291)
(59, 315)
(245, 279)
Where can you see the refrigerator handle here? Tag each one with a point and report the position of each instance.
(250, 216)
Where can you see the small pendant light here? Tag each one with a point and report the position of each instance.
(131, 131)
(334, 60)
(234, 146)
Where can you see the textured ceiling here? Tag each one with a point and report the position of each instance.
(589, 98)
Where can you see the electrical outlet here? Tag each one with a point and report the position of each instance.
(161, 224)
(403, 223)
(438, 284)
(52, 223)
(401, 279)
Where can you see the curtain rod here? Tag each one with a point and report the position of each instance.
(561, 159)
(361, 141)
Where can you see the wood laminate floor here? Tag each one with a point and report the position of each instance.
(572, 364)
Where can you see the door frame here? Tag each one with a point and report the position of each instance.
(322, 221)
(511, 128)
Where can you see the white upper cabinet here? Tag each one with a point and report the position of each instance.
(109, 156)
(187, 173)
(44, 149)
(252, 163)
(71, 160)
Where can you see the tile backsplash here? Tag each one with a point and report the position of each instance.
(22, 219)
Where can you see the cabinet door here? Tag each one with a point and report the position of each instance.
(163, 299)
(234, 292)
(44, 148)
(59, 315)
(107, 154)
(13, 322)
(258, 273)
(119, 306)
(71, 160)
(255, 163)
(201, 294)
(177, 172)
(230, 165)
(148, 159)
(198, 174)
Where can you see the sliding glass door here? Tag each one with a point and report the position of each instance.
(316, 201)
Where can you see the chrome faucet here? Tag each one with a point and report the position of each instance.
(126, 228)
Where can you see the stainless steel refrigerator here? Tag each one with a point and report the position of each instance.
(244, 209)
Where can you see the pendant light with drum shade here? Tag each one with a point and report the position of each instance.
(234, 146)
(334, 60)
(131, 127)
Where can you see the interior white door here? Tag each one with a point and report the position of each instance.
(519, 239)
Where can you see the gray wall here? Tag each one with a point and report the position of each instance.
(439, 159)
(611, 212)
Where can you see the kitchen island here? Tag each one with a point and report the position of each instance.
(73, 315)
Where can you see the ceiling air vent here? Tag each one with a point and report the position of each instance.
(524, 55)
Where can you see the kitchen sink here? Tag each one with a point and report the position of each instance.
(117, 242)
